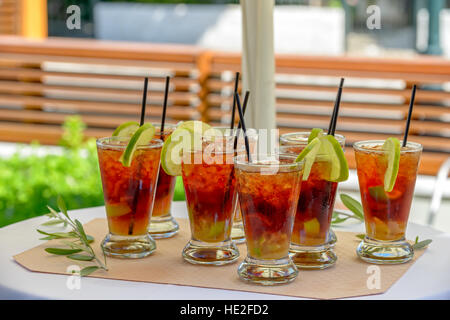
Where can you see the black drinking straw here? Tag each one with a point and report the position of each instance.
(408, 120)
(334, 116)
(137, 194)
(163, 119)
(144, 101)
(242, 121)
(244, 107)
(233, 110)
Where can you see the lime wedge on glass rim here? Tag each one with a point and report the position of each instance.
(187, 136)
(316, 132)
(309, 155)
(339, 166)
(126, 129)
(329, 147)
(142, 136)
(392, 148)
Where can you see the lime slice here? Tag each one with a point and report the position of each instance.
(126, 129)
(326, 146)
(187, 136)
(142, 136)
(117, 210)
(339, 166)
(312, 227)
(309, 155)
(316, 132)
(392, 148)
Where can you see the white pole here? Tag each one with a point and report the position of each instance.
(258, 63)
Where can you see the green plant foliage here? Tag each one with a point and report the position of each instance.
(30, 183)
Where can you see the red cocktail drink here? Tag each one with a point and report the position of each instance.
(237, 232)
(268, 194)
(386, 213)
(129, 194)
(209, 184)
(312, 238)
(162, 224)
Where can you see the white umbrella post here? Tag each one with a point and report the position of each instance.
(258, 66)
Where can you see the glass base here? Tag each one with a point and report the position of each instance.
(331, 238)
(320, 257)
(237, 232)
(163, 227)
(197, 252)
(385, 252)
(128, 247)
(267, 272)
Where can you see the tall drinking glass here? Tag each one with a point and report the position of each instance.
(237, 232)
(209, 184)
(312, 238)
(129, 193)
(268, 192)
(162, 224)
(385, 213)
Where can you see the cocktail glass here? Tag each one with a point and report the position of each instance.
(385, 213)
(162, 224)
(312, 238)
(268, 192)
(237, 232)
(209, 184)
(129, 193)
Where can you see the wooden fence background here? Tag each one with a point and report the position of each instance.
(44, 81)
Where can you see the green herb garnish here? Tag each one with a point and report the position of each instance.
(353, 205)
(78, 247)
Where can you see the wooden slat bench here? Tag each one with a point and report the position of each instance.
(374, 104)
(42, 82)
(9, 17)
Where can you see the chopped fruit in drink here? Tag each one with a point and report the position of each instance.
(394, 194)
(378, 193)
(269, 246)
(215, 230)
(312, 227)
(117, 210)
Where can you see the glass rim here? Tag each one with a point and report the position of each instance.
(241, 161)
(202, 150)
(166, 125)
(105, 142)
(284, 138)
(253, 132)
(359, 146)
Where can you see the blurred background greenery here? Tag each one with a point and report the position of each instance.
(35, 180)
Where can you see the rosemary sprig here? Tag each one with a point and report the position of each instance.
(78, 247)
(353, 205)
(421, 244)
